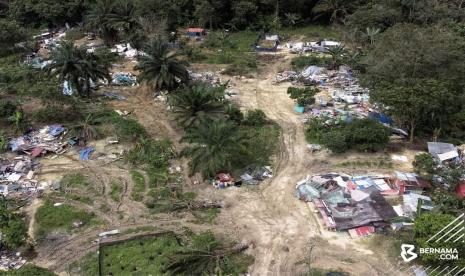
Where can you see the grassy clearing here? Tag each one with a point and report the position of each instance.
(139, 229)
(116, 189)
(206, 215)
(50, 218)
(88, 265)
(139, 257)
(76, 180)
(139, 186)
(382, 163)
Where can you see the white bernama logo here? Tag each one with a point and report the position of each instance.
(407, 253)
(453, 232)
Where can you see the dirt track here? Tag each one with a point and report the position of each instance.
(280, 226)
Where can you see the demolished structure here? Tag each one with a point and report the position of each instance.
(346, 202)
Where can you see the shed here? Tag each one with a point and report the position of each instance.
(196, 32)
(443, 151)
(410, 181)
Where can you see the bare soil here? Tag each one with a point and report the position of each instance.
(280, 227)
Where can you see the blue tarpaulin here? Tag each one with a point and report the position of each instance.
(85, 153)
(56, 130)
(299, 109)
(383, 118)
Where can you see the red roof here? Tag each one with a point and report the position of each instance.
(195, 30)
(460, 191)
(361, 231)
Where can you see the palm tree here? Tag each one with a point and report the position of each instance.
(371, 33)
(214, 143)
(191, 103)
(161, 67)
(292, 19)
(338, 56)
(102, 17)
(206, 256)
(78, 67)
(337, 9)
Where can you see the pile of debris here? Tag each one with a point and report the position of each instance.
(316, 47)
(224, 180)
(124, 79)
(255, 176)
(9, 261)
(37, 143)
(125, 50)
(17, 178)
(208, 77)
(350, 202)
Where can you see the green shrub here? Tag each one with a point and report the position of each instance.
(28, 270)
(234, 113)
(57, 114)
(7, 108)
(301, 62)
(127, 129)
(303, 96)
(336, 141)
(255, 118)
(425, 165)
(367, 135)
(75, 33)
(3, 142)
(155, 153)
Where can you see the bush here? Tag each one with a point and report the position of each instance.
(301, 62)
(425, 165)
(241, 65)
(7, 109)
(255, 118)
(336, 141)
(3, 142)
(362, 135)
(367, 135)
(57, 114)
(234, 114)
(303, 96)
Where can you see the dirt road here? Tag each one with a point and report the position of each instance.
(280, 226)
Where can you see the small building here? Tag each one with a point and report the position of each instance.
(196, 32)
(443, 151)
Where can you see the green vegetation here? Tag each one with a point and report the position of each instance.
(28, 270)
(78, 67)
(191, 103)
(161, 67)
(116, 189)
(88, 265)
(425, 165)
(303, 96)
(60, 218)
(301, 62)
(139, 185)
(12, 226)
(364, 135)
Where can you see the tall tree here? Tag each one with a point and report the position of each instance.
(192, 103)
(78, 67)
(213, 145)
(160, 67)
(102, 18)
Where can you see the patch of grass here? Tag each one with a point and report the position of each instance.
(28, 270)
(50, 218)
(139, 185)
(206, 215)
(116, 189)
(88, 265)
(75, 180)
(127, 129)
(243, 66)
(105, 208)
(139, 257)
(80, 198)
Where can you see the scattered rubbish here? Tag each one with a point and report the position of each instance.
(112, 95)
(125, 50)
(9, 261)
(57, 204)
(109, 233)
(122, 112)
(36, 143)
(314, 147)
(17, 178)
(443, 151)
(85, 153)
(124, 79)
(208, 77)
(400, 158)
(223, 180)
(254, 176)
